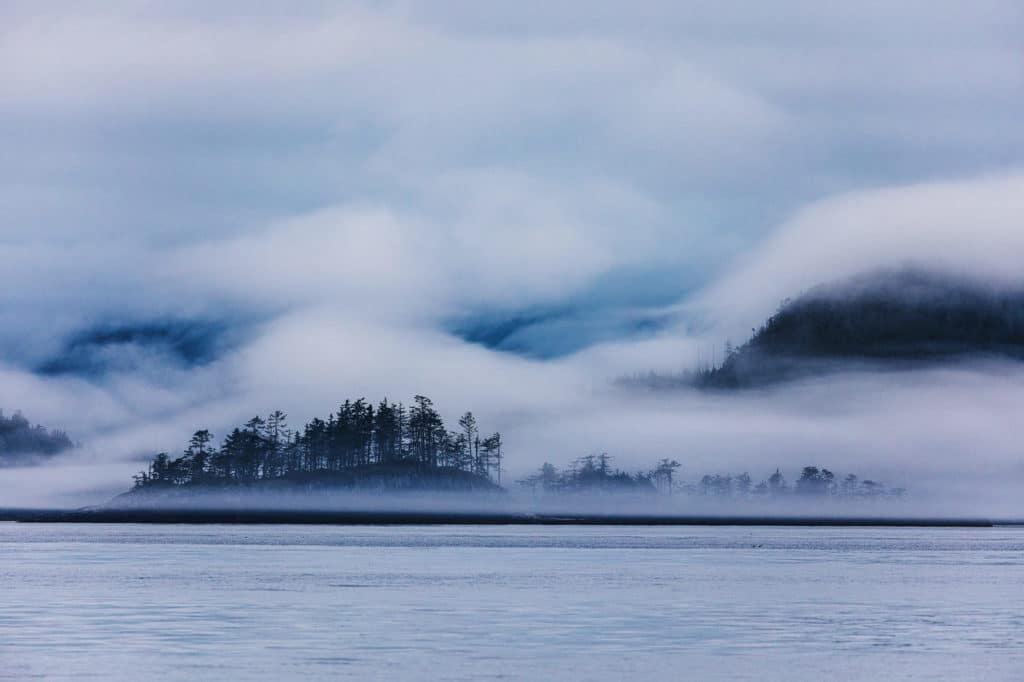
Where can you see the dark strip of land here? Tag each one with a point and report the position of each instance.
(276, 516)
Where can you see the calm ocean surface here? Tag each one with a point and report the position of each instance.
(520, 603)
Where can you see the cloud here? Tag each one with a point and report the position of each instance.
(965, 227)
(339, 186)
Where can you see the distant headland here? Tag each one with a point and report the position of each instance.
(892, 319)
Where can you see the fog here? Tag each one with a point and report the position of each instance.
(946, 435)
(309, 197)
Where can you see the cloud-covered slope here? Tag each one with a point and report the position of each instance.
(885, 319)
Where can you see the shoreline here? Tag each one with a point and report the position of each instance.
(347, 517)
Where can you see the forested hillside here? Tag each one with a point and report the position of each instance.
(20, 441)
(891, 319)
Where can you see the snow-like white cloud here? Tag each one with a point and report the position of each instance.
(333, 183)
(969, 228)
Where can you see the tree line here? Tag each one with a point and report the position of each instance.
(812, 482)
(18, 438)
(594, 473)
(358, 437)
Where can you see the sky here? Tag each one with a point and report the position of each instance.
(209, 210)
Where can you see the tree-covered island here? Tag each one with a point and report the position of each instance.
(387, 447)
(391, 447)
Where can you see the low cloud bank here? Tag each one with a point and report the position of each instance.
(317, 195)
(946, 433)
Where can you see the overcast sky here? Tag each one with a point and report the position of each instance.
(210, 212)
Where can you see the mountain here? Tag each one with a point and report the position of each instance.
(890, 319)
(20, 442)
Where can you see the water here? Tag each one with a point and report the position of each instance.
(519, 603)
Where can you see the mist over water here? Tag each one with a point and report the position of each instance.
(945, 435)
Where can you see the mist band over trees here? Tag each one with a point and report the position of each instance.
(390, 447)
(594, 473)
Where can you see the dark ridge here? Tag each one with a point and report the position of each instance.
(499, 332)
(904, 315)
(100, 349)
(554, 332)
(20, 442)
(252, 516)
(896, 319)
